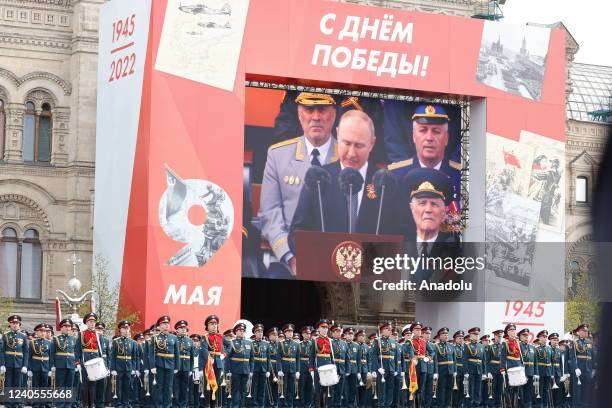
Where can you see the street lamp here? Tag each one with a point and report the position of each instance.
(74, 301)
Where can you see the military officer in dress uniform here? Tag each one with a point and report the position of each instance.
(581, 366)
(474, 359)
(187, 354)
(286, 167)
(305, 383)
(137, 389)
(289, 366)
(352, 369)
(89, 345)
(557, 370)
(385, 364)
(420, 352)
(460, 364)
(105, 348)
(487, 380)
(430, 136)
(123, 363)
(430, 351)
(213, 342)
(239, 366)
(339, 358)
(528, 353)
(445, 371)
(77, 383)
(16, 353)
(545, 370)
(164, 361)
(320, 356)
(494, 367)
(62, 359)
(407, 354)
(261, 367)
(511, 357)
(275, 365)
(38, 366)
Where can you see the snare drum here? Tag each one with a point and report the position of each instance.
(96, 370)
(516, 376)
(328, 375)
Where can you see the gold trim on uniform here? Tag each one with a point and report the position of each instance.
(371, 191)
(400, 164)
(279, 242)
(284, 143)
(455, 165)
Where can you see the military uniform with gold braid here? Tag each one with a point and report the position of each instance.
(529, 360)
(123, 365)
(445, 370)
(16, 352)
(187, 354)
(475, 367)
(63, 358)
(89, 345)
(385, 362)
(289, 362)
(239, 366)
(164, 362)
(580, 354)
(261, 367)
(339, 358)
(38, 366)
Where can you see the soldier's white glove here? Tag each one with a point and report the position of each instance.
(78, 368)
(175, 371)
(222, 356)
(250, 375)
(154, 370)
(369, 376)
(52, 368)
(107, 372)
(381, 371)
(454, 374)
(311, 374)
(563, 377)
(552, 377)
(146, 372)
(466, 375)
(268, 374)
(484, 377)
(373, 374)
(578, 372)
(297, 376)
(50, 373)
(489, 376)
(347, 374)
(358, 376)
(536, 377)
(2, 369)
(435, 376)
(30, 374)
(281, 374)
(133, 372)
(137, 373)
(24, 370)
(229, 375)
(395, 373)
(114, 373)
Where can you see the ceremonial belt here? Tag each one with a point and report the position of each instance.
(364, 361)
(513, 358)
(340, 360)
(445, 362)
(41, 358)
(14, 353)
(388, 357)
(65, 354)
(124, 357)
(242, 360)
(288, 359)
(185, 356)
(214, 353)
(273, 360)
(474, 360)
(584, 357)
(260, 359)
(304, 359)
(556, 365)
(495, 361)
(544, 364)
(90, 350)
(164, 355)
(459, 365)
(323, 355)
(353, 361)
(528, 362)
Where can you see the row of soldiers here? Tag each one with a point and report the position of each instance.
(325, 365)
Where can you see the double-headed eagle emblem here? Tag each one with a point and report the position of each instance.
(348, 259)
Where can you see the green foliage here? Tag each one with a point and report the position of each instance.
(581, 306)
(6, 309)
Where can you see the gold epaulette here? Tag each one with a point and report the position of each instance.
(454, 165)
(284, 143)
(399, 164)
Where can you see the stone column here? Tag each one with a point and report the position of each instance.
(14, 133)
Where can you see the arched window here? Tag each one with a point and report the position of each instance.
(37, 133)
(20, 265)
(2, 129)
(8, 262)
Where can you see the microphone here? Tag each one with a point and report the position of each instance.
(351, 183)
(383, 181)
(317, 179)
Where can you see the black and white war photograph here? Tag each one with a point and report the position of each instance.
(513, 59)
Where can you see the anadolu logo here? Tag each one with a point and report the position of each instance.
(198, 213)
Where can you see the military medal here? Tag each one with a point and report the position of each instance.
(426, 359)
(297, 180)
(291, 180)
(286, 179)
(371, 191)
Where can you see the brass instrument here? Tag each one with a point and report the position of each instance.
(146, 384)
(455, 386)
(434, 387)
(154, 380)
(536, 387)
(2, 381)
(53, 380)
(249, 386)
(466, 386)
(201, 388)
(375, 387)
(281, 387)
(29, 382)
(227, 380)
(568, 385)
(297, 389)
(490, 387)
(404, 385)
(554, 386)
(114, 386)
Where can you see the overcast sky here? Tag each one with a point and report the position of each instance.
(589, 21)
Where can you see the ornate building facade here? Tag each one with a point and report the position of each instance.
(48, 64)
